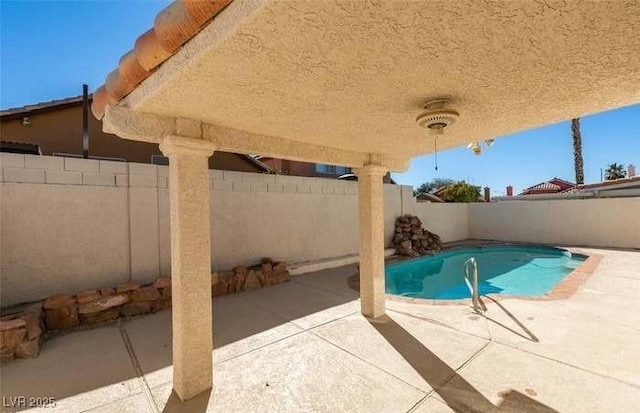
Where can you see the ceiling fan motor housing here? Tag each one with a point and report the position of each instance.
(437, 116)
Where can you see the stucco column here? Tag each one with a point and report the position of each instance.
(190, 264)
(371, 222)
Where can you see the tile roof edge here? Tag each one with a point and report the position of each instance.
(610, 182)
(173, 27)
(40, 106)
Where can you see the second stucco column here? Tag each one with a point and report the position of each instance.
(371, 222)
(190, 264)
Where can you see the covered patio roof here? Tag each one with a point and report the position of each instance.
(354, 75)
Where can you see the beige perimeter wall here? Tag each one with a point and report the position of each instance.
(606, 222)
(72, 224)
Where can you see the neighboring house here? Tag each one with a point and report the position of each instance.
(629, 186)
(552, 186)
(426, 197)
(55, 128)
(617, 188)
(297, 168)
(439, 192)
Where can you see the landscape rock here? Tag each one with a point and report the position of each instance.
(228, 279)
(240, 270)
(280, 267)
(135, 308)
(166, 292)
(164, 303)
(87, 296)
(28, 349)
(103, 303)
(145, 294)
(266, 269)
(277, 278)
(411, 240)
(107, 291)
(251, 281)
(260, 277)
(219, 288)
(59, 301)
(11, 324)
(33, 324)
(100, 317)
(162, 282)
(219, 284)
(6, 355)
(240, 273)
(12, 334)
(128, 286)
(62, 318)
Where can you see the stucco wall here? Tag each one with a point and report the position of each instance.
(448, 220)
(71, 224)
(611, 222)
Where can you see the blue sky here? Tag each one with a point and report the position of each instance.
(49, 48)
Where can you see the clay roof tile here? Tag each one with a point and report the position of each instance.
(130, 69)
(149, 51)
(101, 99)
(173, 27)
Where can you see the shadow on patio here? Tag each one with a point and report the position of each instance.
(456, 392)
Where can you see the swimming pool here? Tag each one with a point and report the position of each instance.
(502, 269)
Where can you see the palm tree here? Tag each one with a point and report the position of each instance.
(614, 171)
(578, 163)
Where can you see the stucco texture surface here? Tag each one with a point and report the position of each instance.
(354, 75)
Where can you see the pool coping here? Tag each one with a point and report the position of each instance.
(563, 290)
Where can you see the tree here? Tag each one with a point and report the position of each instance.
(432, 185)
(578, 163)
(461, 192)
(614, 171)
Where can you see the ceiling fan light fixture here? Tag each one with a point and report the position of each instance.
(475, 148)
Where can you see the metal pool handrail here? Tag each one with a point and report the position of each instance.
(472, 283)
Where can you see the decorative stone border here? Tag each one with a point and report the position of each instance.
(568, 286)
(23, 329)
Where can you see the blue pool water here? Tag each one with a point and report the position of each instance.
(502, 269)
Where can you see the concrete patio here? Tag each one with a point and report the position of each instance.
(304, 346)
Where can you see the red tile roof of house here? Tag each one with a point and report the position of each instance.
(173, 27)
(544, 186)
(551, 186)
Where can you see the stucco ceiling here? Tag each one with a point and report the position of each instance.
(355, 74)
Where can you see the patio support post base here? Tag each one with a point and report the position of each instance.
(371, 222)
(190, 264)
